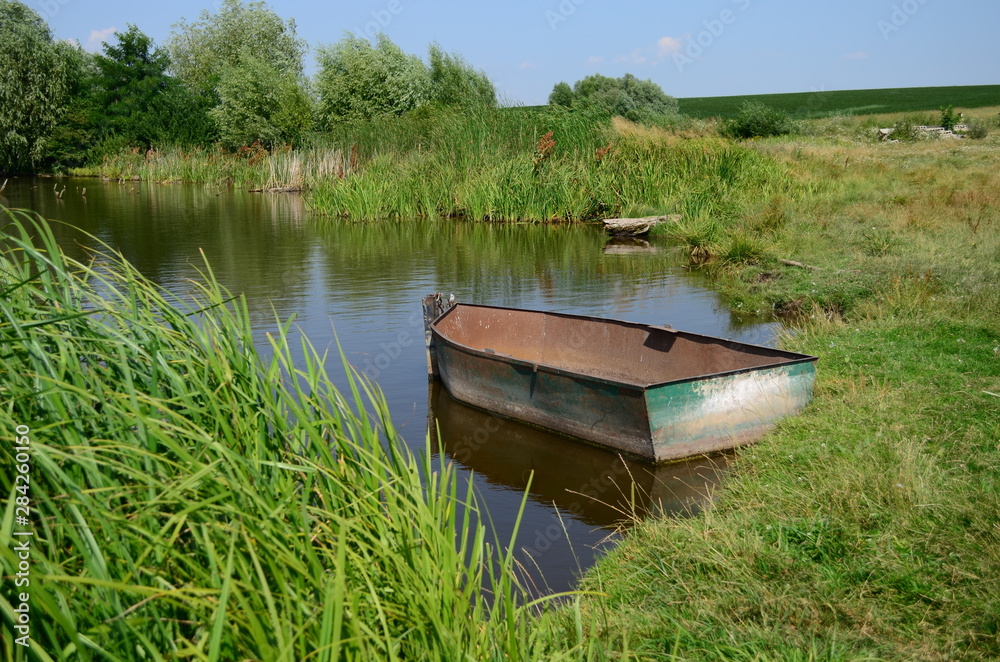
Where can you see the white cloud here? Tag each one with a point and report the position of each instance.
(669, 45)
(856, 56)
(665, 48)
(526, 65)
(595, 59)
(97, 37)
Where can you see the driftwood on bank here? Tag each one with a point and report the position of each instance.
(793, 263)
(634, 227)
(277, 189)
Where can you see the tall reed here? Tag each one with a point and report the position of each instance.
(251, 167)
(499, 165)
(191, 500)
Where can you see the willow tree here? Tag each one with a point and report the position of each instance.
(246, 62)
(358, 80)
(203, 52)
(33, 86)
(628, 97)
(259, 104)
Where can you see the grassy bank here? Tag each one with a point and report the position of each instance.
(491, 164)
(868, 527)
(189, 500)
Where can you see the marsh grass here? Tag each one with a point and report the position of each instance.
(252, 167)
(191, 500)
(488, 166)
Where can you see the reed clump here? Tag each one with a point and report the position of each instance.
(513, 164)
(251, 167)
(192, 500)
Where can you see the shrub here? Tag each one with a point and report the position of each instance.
(948, 118)
(358, 81)
(756, 120)
(977, 130)
(635, 100)
(905, 130)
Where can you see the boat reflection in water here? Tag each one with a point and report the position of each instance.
(577, 490)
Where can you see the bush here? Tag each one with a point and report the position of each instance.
(755, 120)
(905, 130)
(977, 130)
(635, 100)
(359, 81)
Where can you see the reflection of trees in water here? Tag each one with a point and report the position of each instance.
(272, 249)
(499, 263)
(162, 229)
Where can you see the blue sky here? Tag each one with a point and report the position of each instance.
(709, 48)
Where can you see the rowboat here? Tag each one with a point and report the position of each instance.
(653, 392)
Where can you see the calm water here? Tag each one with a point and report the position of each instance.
(362, 283)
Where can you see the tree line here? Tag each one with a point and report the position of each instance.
(236, 78)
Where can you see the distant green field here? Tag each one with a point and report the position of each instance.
(851, 102)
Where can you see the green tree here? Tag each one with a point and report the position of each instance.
(358, 81)
(133, 82)
(203, 51)
(259, 103)
(71, 140)
(948, 120)
(33, 86)
(454, 82)
(562, 95)
(628, 97)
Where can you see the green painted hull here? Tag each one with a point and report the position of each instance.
(599, 380)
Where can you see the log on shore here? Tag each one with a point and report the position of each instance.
(277, 189)
(634, 227)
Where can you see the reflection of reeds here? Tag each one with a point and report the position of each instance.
(188, 492)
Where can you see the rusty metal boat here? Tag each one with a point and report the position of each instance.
(653, 392)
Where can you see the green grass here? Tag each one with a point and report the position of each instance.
(867, 527)
(250, 168)
(494, 166)
(191, 500)
(849, 102)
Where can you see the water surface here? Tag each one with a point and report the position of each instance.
(362, 284)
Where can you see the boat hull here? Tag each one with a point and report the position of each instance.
(679, 417)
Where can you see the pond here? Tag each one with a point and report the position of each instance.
(361, 284)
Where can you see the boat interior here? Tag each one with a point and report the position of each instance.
(606, 349)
